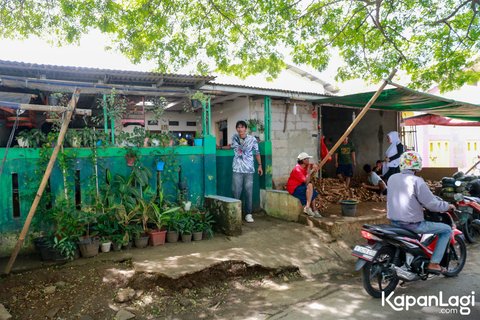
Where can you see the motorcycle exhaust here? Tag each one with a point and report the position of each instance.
(405, 275)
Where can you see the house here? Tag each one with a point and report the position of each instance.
(191, 105)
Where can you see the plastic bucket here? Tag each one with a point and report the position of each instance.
(160, 165)
(349, 207)
(198, 142)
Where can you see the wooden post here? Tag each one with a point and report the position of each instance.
(473, 167)
(357, 119)
(63, 130)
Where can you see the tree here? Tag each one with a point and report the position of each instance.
(431, 40)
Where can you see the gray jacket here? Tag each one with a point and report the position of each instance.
(408, 195)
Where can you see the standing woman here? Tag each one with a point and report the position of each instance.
(392, 155)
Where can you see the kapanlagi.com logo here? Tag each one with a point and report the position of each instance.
(451, 305)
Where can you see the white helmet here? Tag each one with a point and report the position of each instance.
(410, 160)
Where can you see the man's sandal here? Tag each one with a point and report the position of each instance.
(442, 270)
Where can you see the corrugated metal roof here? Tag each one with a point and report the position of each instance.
(269, 89)
(68, 73)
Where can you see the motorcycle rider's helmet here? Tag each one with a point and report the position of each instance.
(411, 160)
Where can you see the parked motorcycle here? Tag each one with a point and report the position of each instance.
(469, 216)
(393, 254)
(463, 192)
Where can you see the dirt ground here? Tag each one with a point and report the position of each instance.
(90, 291)
(96, 289)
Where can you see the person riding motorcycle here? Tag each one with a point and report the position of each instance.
(406, 198)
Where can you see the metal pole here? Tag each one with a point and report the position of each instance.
(105, 114)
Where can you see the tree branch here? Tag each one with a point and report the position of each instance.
(444, 20)
(387, 38)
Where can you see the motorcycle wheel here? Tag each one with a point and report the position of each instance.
(471, 233)
(458, 256)
(377, 276)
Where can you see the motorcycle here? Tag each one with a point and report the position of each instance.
(393, 254)
(469, 217)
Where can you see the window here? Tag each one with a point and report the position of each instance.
(173, 123)
(191, 123)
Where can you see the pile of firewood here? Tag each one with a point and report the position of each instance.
(333, 191)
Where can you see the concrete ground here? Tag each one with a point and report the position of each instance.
(268, 242)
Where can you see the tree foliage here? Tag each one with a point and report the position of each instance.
(431, 40)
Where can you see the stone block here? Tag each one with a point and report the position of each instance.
(227, 213)
(280, 204)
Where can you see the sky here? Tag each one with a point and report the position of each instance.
(91, 52)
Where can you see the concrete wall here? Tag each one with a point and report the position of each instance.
(181, 117)
(369, 136)
(299, 136)
(232, 111)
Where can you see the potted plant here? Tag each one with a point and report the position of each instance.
(88, 242)
(160, 219)
(144, 208)
(125, 219)
(208, 222)
(182, 142)
(31, 139)
(131, 155)
(254, 125)
(173, 226)
(186, 227)
(198, 227)
(73, 138)
(23, 139)
(106, 244)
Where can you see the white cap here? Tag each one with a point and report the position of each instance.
(303, 156)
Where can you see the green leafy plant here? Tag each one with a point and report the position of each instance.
(208, 222)
(33, 138)
(186, 223)
(254, 125)
(161, 218)
(74, 138)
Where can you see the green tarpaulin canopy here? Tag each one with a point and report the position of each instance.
(405, 99)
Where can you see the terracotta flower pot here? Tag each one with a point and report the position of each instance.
(157, 237)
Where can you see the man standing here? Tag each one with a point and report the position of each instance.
(244, 146)
(299, 185)
(345, 161)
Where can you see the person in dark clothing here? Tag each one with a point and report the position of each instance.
(392, 155)
(378, 169)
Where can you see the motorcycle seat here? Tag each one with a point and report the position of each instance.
(394, 230)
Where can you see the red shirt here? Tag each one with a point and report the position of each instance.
(297, 177)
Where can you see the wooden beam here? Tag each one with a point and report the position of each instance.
(225, 98)
(63, 130)
(357, 119)
(41, 107)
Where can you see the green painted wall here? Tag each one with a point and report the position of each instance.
(24, 162)
(204, 169)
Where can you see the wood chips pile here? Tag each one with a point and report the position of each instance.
(333, 191)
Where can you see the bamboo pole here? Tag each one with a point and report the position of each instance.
(357, 119)
(63, 130)
(41, 107)
(473, 167)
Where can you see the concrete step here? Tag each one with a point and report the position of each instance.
(344, 228)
